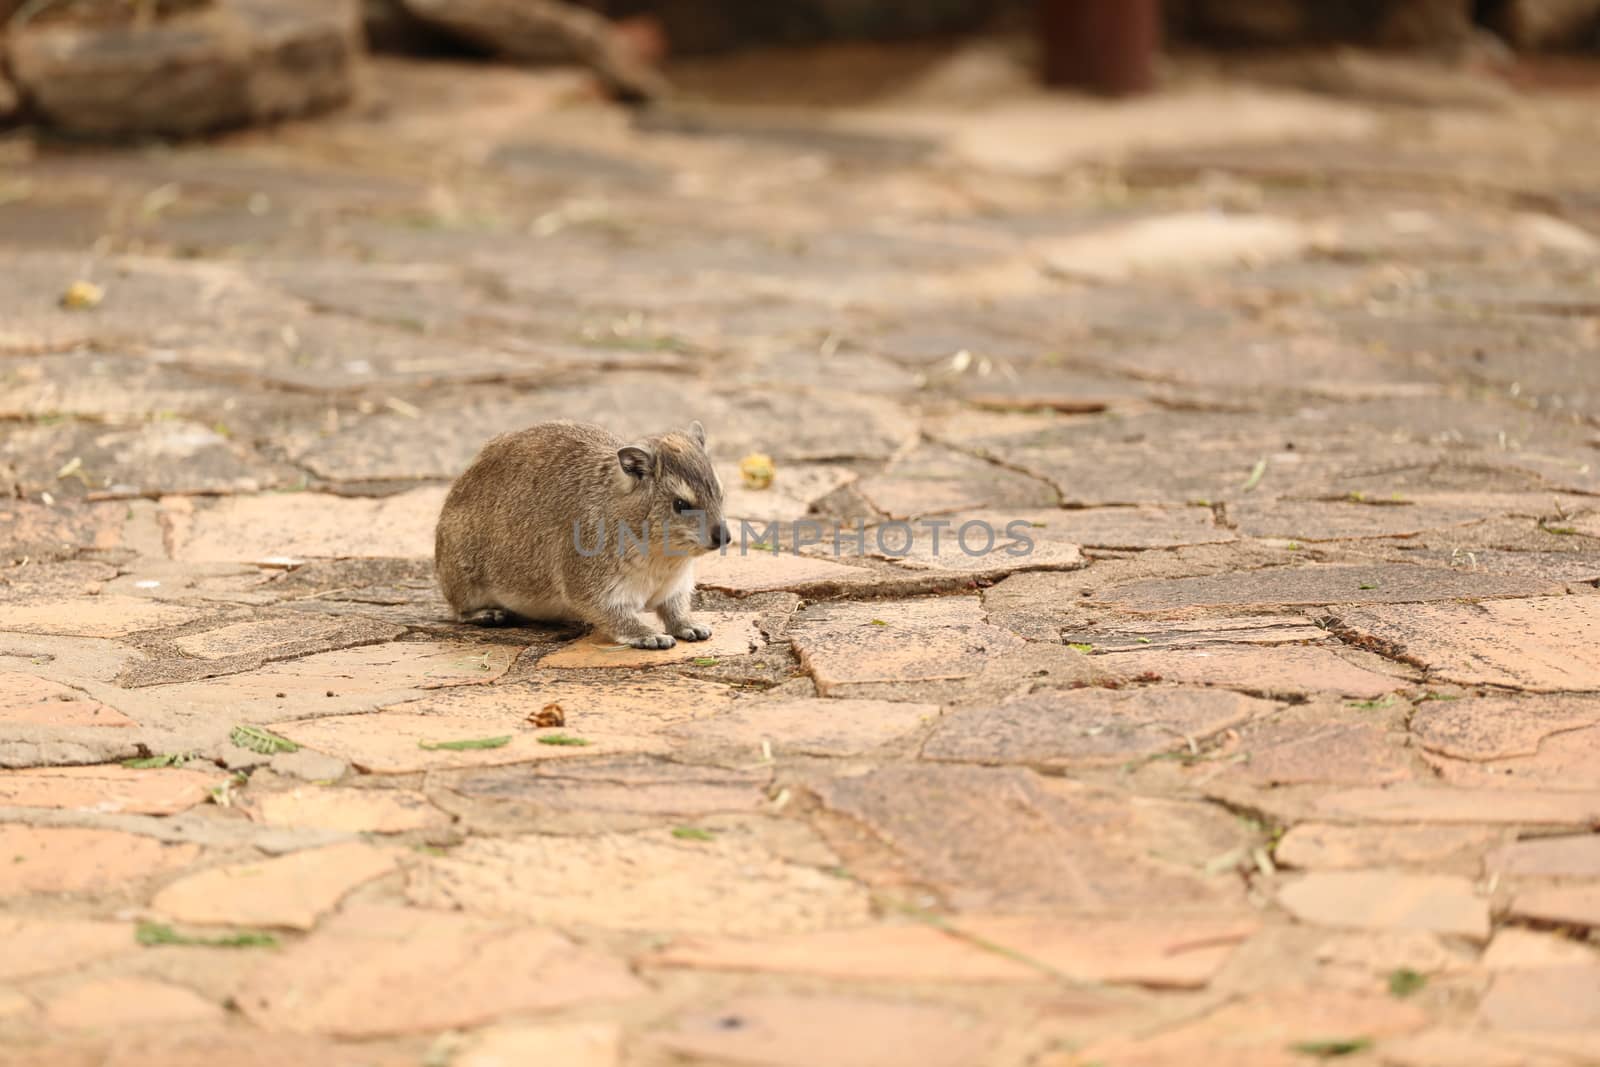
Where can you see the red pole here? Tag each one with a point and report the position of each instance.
(1104, 46)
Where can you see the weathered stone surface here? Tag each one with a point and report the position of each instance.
(387, 970)
(27, 700)
(1386, 901)
(1516, 949)
(1325, 846)
(990, 836)
(39, 946)
(1547, 645)
(360, 678)
(1428, 804)
(94, 616)
(107, 788)
(280, 638)
(647, 881)
(1574, 906)
(1496, 728)
(1262, 1029)
(292, 891)
(250, 529)
(245, 61)
(1325, 583)
(733, 633)
(796, 1031)
(601, 795)
(61, 859)
(1565, 760)
(1177, 243)
(754, 571)
(866, 645)
(1126, 529)
(117, 1003)
(1267, 672)
(371, 811)
(1565, 856)
(36, 531)
(1289, 752)
(807, 727)
(1089, 726)
(1158, 952)
(1545, 1000)
(596, 1044)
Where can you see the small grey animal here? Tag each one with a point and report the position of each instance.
(566, 522)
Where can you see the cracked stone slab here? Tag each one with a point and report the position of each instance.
(1551, 644)
(1317, 521)
(813, 726)
(1567, 856)
(169, 456)
(361, 678)
(94, 616)
(986, 562)
(108, 788)
(1547, 1002)
(1162, 952)
(650, 880)
(1292, 751)
(1287, 671)
(1579, 809)
(600, 795)
(1067, 727)
(377, 970)
(36, 946)
(29, 701)
(1329, 846)
(1259, 1030)
(40, 531)
(1005, 836)
(291, 891)
(733, 633)
(1565, 760)
(1134, 635)
(65, 859)
(1516, 949)
(370, 811)
(250, 529)
(794, 489)
(1120, 529)
(801, 1030)
(620, 716)
(571, 1044)
(115, 1003)
(1383, 900)
(864, 646)
(753, 571)
(1565, 906)
(1498, 728)
(1318, 584)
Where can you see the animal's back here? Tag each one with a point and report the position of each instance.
(507, 523)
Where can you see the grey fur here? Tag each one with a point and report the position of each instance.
(509, 536)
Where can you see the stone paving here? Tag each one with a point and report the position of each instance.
(1281, 746)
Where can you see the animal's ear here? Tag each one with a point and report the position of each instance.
(698, 432)
(635, 460)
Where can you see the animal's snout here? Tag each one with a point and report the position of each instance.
(720, 535)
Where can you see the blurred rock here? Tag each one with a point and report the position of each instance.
(1544, 24)
(10, 102)
(241, 62)
(543, 31)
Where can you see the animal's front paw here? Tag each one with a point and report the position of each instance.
(692, 631)
(652, 641)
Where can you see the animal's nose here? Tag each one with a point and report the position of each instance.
(720, 535)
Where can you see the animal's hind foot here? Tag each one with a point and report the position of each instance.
(490, 617)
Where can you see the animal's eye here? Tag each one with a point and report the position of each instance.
(681, 505)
